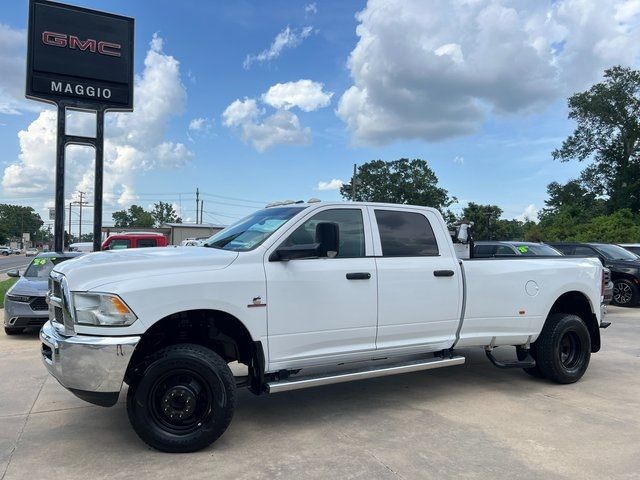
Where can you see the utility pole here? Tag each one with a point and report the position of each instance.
(197, 203)
(353, 184)
(201, 209)
(70, 203)
(81, 202)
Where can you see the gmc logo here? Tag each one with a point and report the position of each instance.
(70, 41)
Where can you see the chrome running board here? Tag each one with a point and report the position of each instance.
(414, 366)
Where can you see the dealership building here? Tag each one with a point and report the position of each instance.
(175, 232)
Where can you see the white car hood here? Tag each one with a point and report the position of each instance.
(89, 271)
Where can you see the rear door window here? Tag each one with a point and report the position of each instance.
(147, 242)
(405, 234)
(119, 244)
(582, 250)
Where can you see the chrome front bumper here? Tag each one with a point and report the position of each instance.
(92, 368)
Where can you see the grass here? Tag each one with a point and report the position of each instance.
(4, 286)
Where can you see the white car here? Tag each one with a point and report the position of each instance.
(31, 252)
(304, 295)
(6, 251)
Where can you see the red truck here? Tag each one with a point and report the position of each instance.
(134, 240)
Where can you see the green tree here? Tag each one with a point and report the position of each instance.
(399, 181)
(16, 220)
(608, 132)
(135, 216)
(164, 212)
(484, 218)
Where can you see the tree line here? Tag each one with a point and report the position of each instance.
(601, 205)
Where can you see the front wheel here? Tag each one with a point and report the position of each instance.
(185, 399)
(625, 293)
(563, 349)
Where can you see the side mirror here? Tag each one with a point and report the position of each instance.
(463, 233)
(327, 244)
(292, 252)
(328, 237)
(13, 273)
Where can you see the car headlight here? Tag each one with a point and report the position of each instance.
(18, 298)
(101, 309)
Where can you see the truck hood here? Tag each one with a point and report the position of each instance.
(89, 271)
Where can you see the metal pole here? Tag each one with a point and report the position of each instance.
(353, 184)
(201, 209)
(197, 203)
(60, 151)
(97, 189)
(69, 232)
(80, 224)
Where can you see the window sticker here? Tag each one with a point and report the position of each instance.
(523, 249)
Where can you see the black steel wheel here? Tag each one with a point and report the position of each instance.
(184, 400)
(563, 350)
(625, 293)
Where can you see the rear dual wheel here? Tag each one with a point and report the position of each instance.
(563, 350)
(185, 399)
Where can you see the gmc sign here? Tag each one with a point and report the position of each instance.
(81, 57)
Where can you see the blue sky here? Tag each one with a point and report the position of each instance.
(445, 85)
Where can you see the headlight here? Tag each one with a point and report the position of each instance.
(18, 298)
(101, 309)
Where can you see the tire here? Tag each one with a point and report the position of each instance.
(184, 401)
(625, 293)
(563, 349)
(13, 330)
(6, 254)
(522, 354)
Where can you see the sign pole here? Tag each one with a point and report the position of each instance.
(58, 239)
(97, 189)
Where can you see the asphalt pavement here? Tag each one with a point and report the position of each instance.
(11, 262)
(469, 421)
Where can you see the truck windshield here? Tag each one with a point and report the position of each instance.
(251, 231)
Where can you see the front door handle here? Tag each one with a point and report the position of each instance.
(358, 276)
(443, 273)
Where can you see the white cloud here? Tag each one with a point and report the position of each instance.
(311, 8)
(529, 214)
(133, 141)
(333, 184)
(304, 94)
(437, 73)
(200, 126)
(287, 38)
(240, 112)
(282, 127)
(12, 66)
(459, 160)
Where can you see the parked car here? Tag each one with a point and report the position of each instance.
(31, 252)
(490, 248)
(624, 266)
(304, 295)
(24, 303)
(122, 241)
(81, 247)
(632, 247)
(16, 251)
(6, 251)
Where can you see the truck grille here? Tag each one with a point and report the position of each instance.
(58, 315)
(39, 304)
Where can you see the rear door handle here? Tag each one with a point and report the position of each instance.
(443, 273)
(358, 276)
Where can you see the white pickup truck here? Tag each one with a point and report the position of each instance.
(304, 295)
